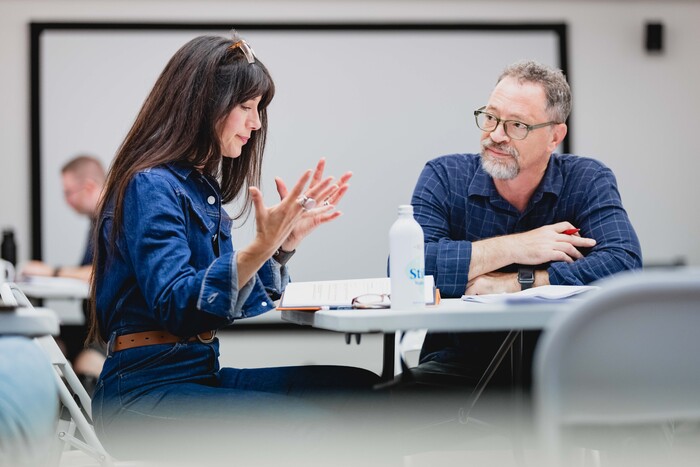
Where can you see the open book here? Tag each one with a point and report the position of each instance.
(534, 294)
(338, 294)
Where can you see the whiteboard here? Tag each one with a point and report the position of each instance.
(378, 100)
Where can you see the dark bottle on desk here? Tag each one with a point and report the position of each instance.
(8, 250)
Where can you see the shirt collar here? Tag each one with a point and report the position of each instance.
(553, 180)
(481, 184)
(183, 171)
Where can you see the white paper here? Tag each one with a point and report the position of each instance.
(546, 292)
(341, 292)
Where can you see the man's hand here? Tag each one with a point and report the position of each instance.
(546, 244)
(37, 268)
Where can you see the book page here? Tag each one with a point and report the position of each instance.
(341, 292)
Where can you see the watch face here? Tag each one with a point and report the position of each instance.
(526, 275)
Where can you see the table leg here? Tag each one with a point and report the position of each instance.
(388, 356)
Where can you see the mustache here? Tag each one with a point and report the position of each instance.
(488, 143)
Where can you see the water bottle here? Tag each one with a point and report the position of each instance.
(406, 261)
(8, 249)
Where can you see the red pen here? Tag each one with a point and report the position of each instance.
(570, 231)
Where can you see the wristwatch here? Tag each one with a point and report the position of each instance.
(282, 256)
(526, 277)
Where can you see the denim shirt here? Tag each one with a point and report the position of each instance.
(173, 266)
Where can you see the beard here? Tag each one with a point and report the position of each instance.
(500, 168)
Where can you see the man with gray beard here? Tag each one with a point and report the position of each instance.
(516, 216)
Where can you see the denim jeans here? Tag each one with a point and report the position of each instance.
(153, 399)
(28, 403)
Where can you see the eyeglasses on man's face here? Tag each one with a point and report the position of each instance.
(246, 49)
(371, 301)
(513, 128)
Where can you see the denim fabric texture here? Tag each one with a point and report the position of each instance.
(175, 257)
(456, 203)
(174, 268)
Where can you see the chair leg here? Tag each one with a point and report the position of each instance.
(92, 445)
(59, 444)
(464, 412)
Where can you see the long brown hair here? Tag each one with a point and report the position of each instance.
(180, 121)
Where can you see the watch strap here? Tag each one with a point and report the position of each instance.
(282, 256)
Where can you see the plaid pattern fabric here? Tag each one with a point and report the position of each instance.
(456, 203)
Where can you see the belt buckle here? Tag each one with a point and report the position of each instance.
(208, 340)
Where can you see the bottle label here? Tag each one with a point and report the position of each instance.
(415, 272)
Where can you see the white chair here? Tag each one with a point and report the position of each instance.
(68, 384)
(627, 357)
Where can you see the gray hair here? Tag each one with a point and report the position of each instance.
(553, 81)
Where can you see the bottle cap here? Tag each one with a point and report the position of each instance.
(405, 209)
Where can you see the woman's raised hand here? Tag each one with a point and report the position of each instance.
(326, 195)
(287, 223)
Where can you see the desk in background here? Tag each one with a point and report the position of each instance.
(54, 287)
(65, 296)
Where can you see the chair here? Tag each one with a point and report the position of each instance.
(80, 410)
(624, 359)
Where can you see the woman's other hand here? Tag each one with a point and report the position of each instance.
(325, 193)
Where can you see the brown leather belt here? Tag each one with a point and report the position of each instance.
(140, 339)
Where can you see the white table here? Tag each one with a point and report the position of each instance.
(28, 322)
(451, 314)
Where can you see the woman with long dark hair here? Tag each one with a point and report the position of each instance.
(166, 276)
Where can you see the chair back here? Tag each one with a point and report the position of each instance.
(627, 355)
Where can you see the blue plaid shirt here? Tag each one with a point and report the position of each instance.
(456, 203)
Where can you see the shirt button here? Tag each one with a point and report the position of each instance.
(211, 200)
(264, 303)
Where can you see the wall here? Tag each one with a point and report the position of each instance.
(363, 112)
(632, 110)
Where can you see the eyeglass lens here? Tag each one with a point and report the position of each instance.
(488, 122)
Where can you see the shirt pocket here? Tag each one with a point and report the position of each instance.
(203, 237)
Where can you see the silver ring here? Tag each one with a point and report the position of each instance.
(306, 203)
(326, 203)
